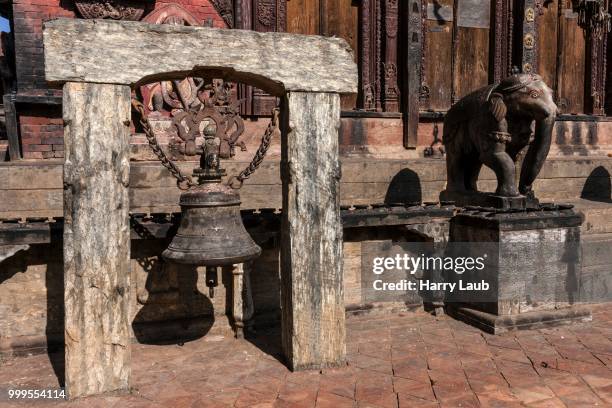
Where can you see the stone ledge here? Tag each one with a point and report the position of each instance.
(494, 324)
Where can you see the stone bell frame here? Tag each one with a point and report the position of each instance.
(98, 62)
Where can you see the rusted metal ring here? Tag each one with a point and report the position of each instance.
(235, 182)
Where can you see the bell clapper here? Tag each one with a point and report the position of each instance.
(211, 280)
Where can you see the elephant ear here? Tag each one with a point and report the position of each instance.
(497, 106)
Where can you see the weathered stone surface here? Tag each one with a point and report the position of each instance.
(532, 261)
(312, 298)
(128, 52)
(96, 238)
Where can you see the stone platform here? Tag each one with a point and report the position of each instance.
(402, 360)
(532, 265)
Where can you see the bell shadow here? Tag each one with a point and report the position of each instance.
(54, 330)
(264, 328)
(173, 311)
(597, 186)
(404, 188)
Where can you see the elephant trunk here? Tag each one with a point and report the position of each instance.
(536, 155)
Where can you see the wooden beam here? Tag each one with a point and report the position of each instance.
(312, 298)
(12, 130)
(96, 238)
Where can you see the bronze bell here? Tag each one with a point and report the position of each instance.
(211, 232)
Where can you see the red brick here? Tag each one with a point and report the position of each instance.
(498, 398)
(37, 148)
(33, 120)
(30, 140)
(54, 140)
(327, 400)
(32, 155)
(413, 388)
(468, 400)
(549, 403)
(532, 393)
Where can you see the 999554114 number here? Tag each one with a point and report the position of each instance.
(31, 394)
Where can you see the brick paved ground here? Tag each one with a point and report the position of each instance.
(403, 360)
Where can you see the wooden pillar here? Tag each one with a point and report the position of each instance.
(12, 129)
(312, 299)
(96, 238)
(411, 70)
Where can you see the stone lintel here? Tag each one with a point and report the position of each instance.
(129, 53)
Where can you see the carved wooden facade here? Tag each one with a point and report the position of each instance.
(416, 57)
(423, 55)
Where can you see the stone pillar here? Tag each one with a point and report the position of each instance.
(312, 299)
(96, 237)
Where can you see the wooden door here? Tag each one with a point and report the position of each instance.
(571, 64)
(471, 46)
(456, 51)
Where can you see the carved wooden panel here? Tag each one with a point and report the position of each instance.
(411, 15)
(596, 74)
(502, 37)
(378, 61)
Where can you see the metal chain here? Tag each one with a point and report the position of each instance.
(236, 182)
(183, 181)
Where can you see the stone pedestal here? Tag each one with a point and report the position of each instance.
(532, 264)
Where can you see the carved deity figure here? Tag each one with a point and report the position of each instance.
(491, 126)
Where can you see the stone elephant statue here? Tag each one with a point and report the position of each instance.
(491, 126)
